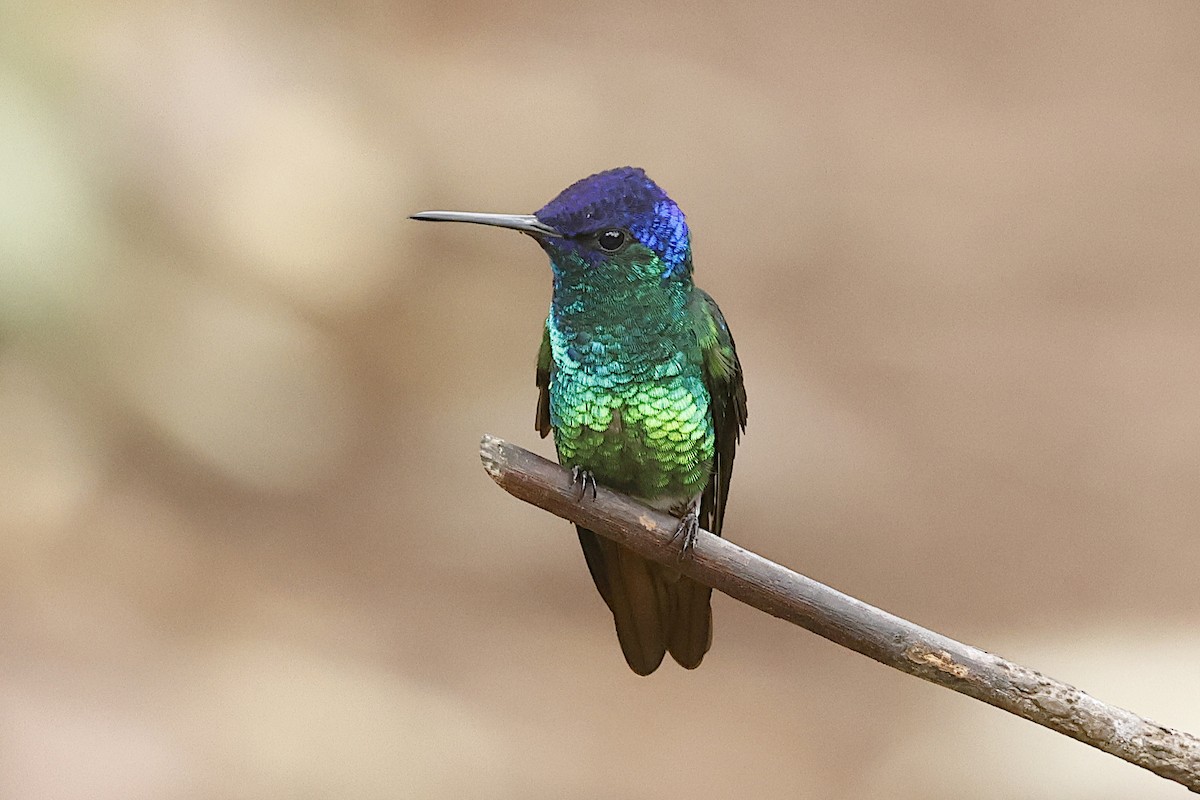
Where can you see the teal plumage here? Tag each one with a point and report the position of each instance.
(628, 399)
(640, 383)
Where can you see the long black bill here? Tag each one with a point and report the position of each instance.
(525, 223)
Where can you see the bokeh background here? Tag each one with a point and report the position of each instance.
(246, 546)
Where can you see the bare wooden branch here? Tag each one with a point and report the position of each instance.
(900, 644)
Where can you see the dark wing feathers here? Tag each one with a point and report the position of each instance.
(545, 366)
(691, 625)
(723, 376)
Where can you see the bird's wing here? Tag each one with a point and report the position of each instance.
(723, 377)
(690, 633)
(545, 367)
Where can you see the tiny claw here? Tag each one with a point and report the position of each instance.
(689, 526)
(583, 477)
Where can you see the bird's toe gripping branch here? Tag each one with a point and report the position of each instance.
(583, 478)
(689, 527)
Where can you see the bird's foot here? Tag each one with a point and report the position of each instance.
(689, 526)
(582, 478)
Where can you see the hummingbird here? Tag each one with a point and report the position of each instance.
(640, 383)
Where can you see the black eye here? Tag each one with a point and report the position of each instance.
(610, 241)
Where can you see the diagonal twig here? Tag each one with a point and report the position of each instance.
(886, 638)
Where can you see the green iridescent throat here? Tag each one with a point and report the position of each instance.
(628, 399)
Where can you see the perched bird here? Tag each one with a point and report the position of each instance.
(639, 380)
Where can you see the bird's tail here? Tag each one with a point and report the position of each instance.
(654, 608)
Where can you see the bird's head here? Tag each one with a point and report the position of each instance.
(616, 223)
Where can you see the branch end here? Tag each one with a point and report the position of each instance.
(491, 453)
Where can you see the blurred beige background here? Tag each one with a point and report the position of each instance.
(246, 546)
